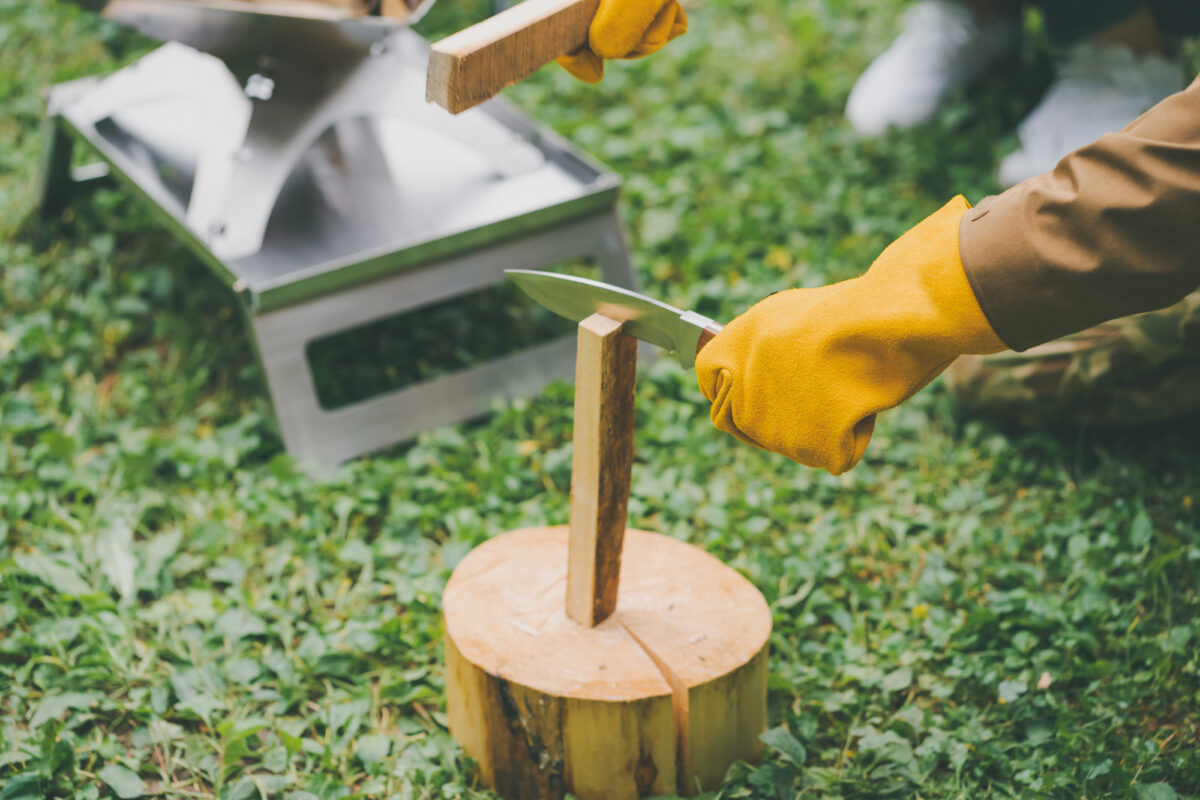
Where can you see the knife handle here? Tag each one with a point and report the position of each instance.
(706, 335)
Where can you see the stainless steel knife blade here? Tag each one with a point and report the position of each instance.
(682, 332)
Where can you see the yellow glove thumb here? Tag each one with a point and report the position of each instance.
(583, 64)
(804, 372)
(625, 29)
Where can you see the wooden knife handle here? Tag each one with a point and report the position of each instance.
(707, 335)
(470, 66)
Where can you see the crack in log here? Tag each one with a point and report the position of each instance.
(679, 707)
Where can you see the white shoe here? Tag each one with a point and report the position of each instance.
(941, 46)
(1098, 90)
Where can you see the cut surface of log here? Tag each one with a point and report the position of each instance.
(659, 698)
(472, 65)
(504, 610)
(601, 465)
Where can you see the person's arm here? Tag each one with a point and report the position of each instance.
(1113, 230)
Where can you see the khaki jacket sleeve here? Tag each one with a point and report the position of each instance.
(1113, 230)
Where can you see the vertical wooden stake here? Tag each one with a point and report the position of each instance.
(605, 373)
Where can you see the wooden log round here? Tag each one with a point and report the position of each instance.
(660, 698)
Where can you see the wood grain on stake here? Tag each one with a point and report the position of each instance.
(601, 464)
(474, 64)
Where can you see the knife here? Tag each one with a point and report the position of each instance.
(684, 333)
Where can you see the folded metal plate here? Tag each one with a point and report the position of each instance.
(303, 33)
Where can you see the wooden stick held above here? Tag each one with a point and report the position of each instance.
(601, 466)
(474, 64)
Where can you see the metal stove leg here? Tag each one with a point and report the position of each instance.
(55, 186)
(281, 351)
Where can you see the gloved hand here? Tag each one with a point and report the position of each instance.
(625, 29)
(805, 371)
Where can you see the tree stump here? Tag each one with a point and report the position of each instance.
(659, 698)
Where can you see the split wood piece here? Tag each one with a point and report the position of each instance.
(474, 64)
(658, 699)
(601, 465)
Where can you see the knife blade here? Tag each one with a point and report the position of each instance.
(684, 333)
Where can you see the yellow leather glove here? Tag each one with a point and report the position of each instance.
(805, 371)
(625, 29)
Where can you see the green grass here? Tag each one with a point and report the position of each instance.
(184, 613)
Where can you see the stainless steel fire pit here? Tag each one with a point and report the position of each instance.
(300, 161)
